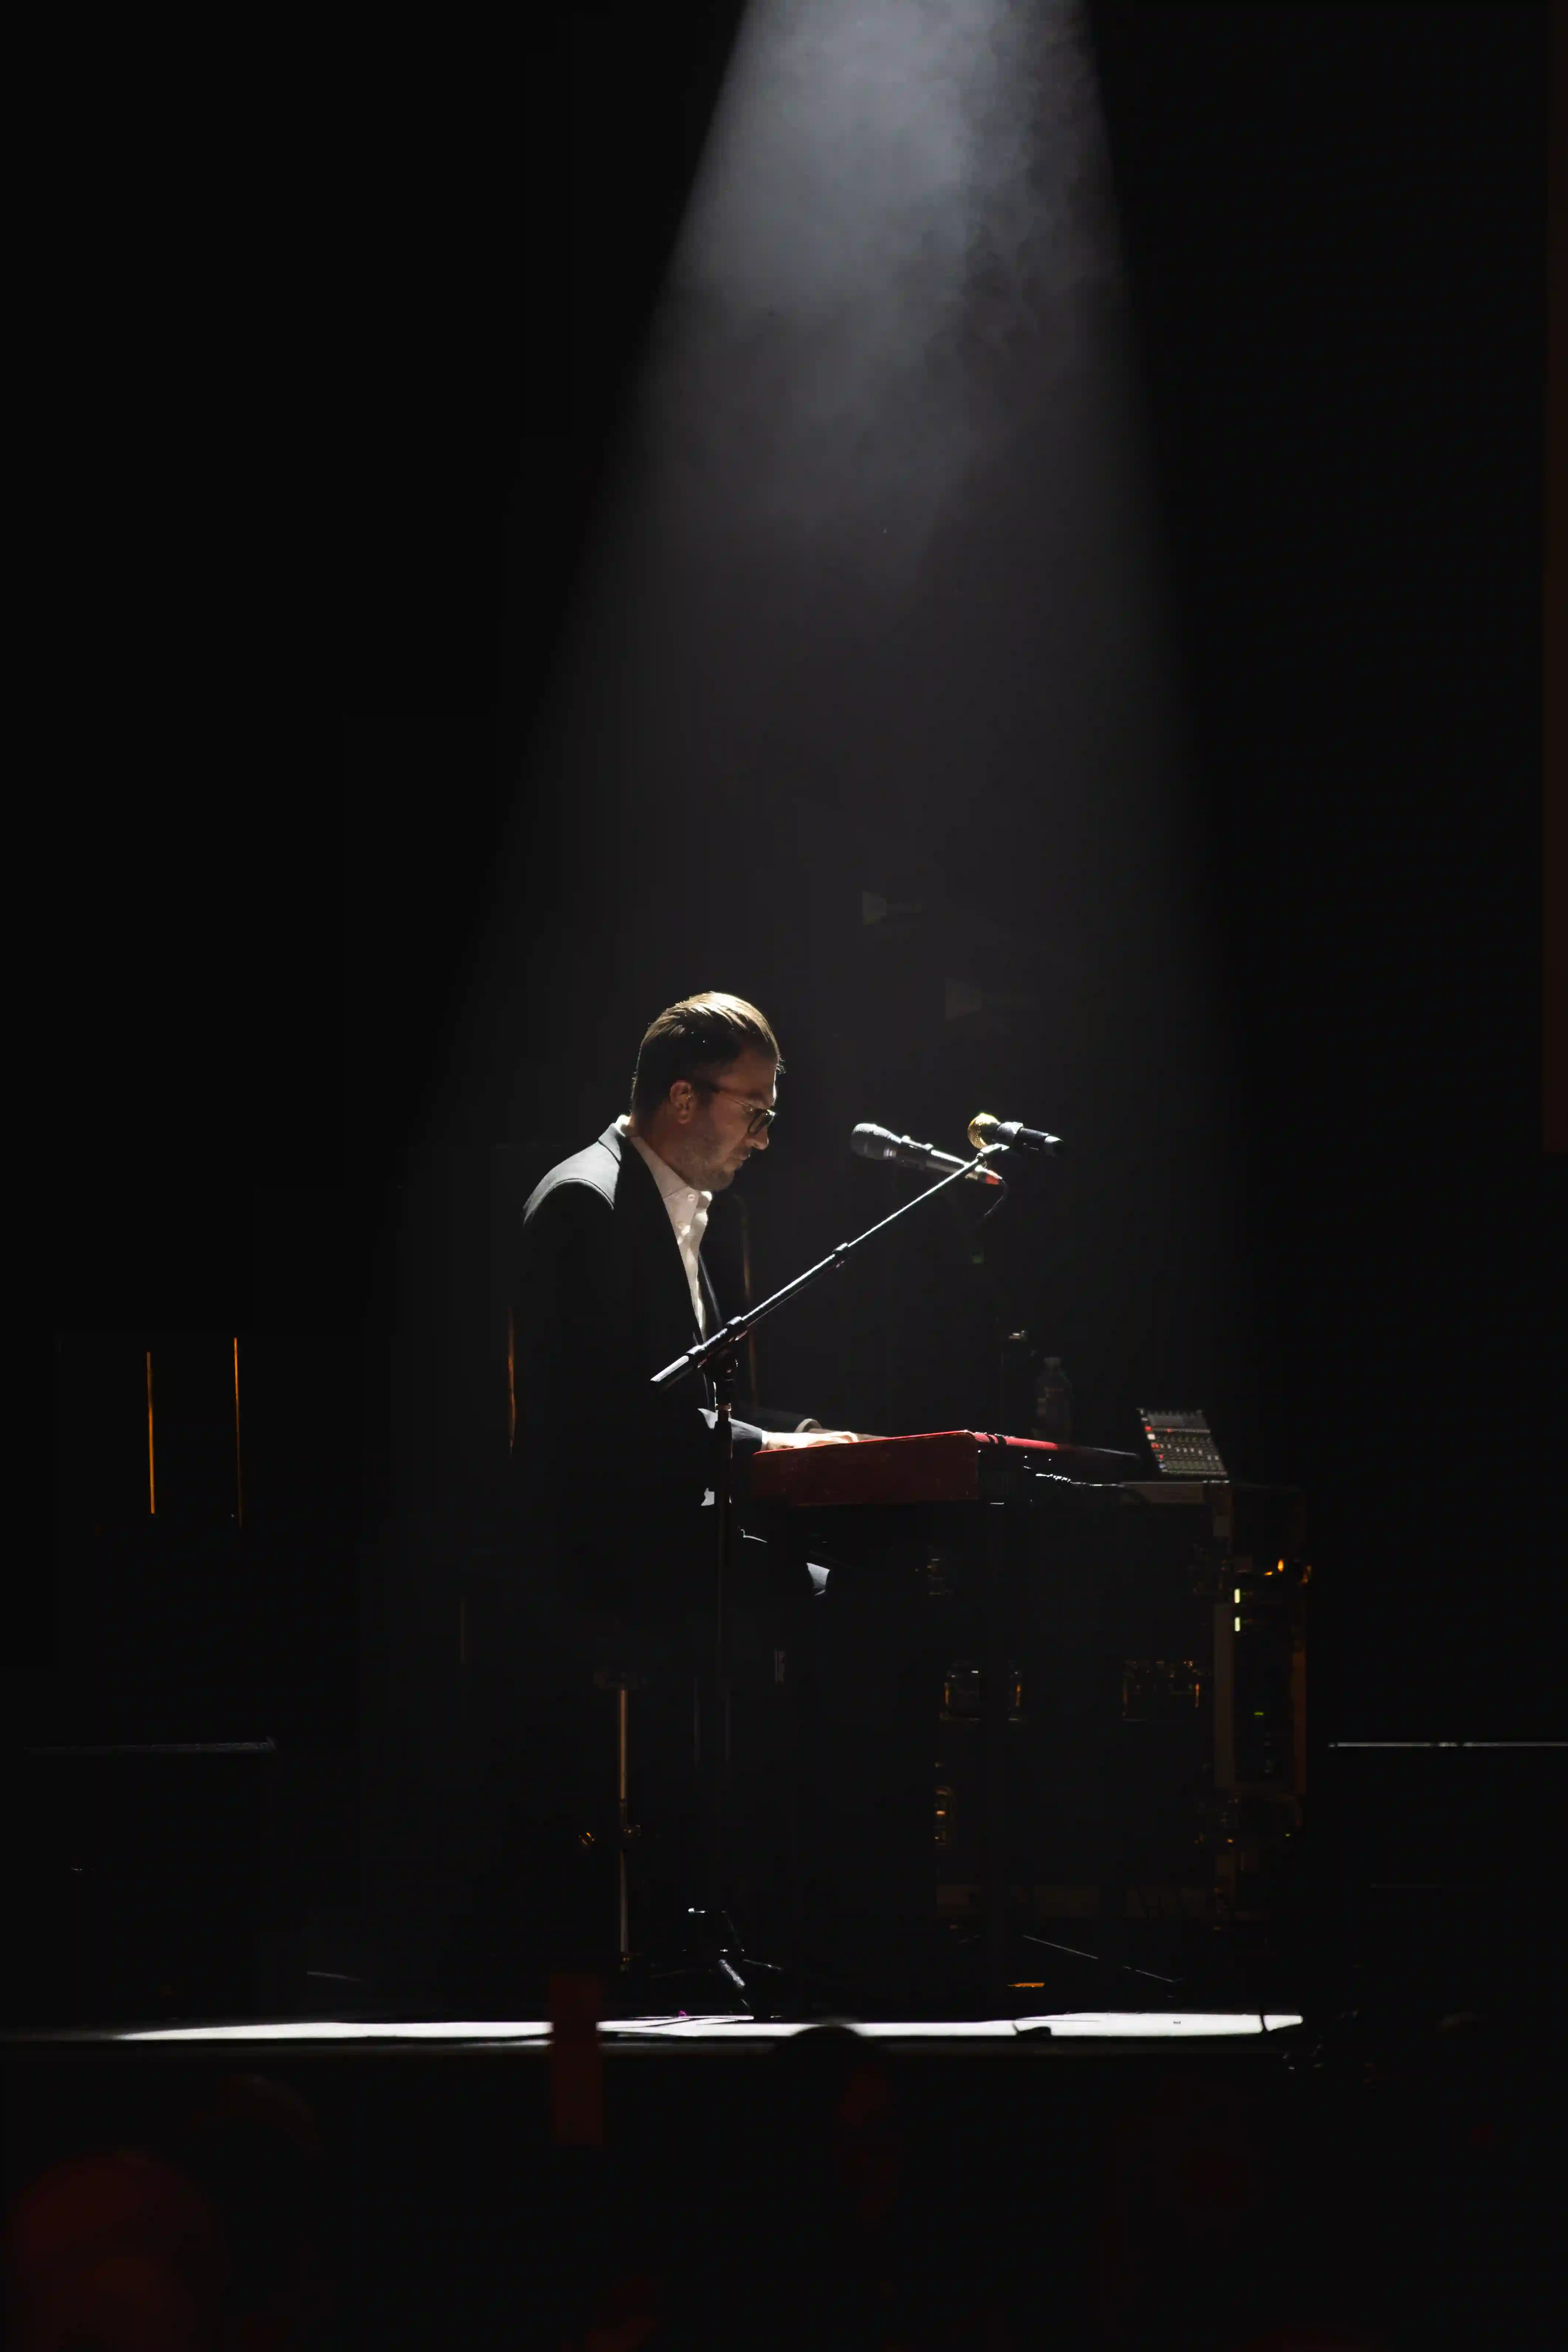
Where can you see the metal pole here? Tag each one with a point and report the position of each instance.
(623, 1712)
(993, 1701)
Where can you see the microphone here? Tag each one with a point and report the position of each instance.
(984, 1130)
(880, 1143)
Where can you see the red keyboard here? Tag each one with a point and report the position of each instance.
(949, 1465)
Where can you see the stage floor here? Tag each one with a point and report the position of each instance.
(1116, 2176)
(730, 2032)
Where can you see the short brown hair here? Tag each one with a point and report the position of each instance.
(689, 1039)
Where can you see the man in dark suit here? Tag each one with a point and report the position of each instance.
(616, 1547)
(610, 1286)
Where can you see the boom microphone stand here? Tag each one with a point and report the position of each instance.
(717, 1355)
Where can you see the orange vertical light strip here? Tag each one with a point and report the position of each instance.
(510, 1383)
(238, 1458)
(152, 1479)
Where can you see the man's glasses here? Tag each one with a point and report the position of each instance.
(761, 1118)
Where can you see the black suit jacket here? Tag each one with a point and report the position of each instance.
(610, 1473)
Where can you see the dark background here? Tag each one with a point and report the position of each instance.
(317, 504)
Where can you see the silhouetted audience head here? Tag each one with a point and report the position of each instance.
(123, 2252)
(215, 2243)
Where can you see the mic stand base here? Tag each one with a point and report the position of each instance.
(712, 1974)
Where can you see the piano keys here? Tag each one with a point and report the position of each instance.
(949, 1465)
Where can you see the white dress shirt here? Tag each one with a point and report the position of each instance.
(688, 1210)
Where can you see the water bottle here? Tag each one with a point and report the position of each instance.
(1053, 1402)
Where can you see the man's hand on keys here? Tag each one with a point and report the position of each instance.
(796, 1437)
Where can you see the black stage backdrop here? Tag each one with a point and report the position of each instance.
(346, 946)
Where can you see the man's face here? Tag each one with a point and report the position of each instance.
(716, 1117)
